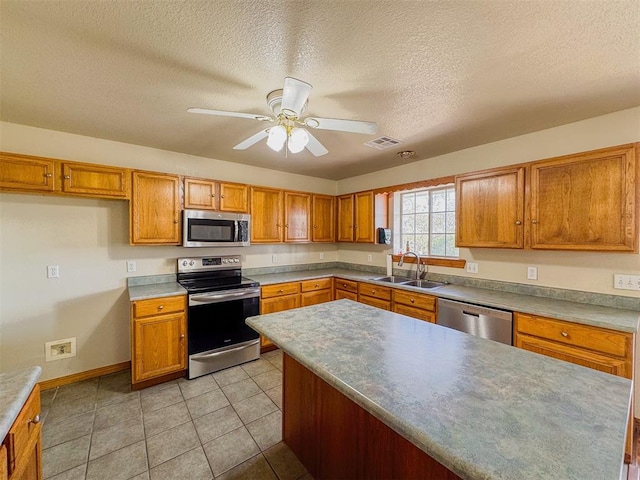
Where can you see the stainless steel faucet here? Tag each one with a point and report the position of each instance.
(401, 262)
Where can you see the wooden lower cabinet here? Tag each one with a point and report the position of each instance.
(21, 451)
(316, 291)
(374, 295)
(345, 289)
(335, 438)
(601, 349)
(416, 305)
(278, 298)
(158, 337)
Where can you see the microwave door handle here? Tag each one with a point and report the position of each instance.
(236, 225)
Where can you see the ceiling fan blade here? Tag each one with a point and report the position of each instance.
(224, 113)
(315, 147)
(354, 126)
(252, 140)
(294, 95)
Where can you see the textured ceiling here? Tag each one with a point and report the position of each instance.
(438, 75)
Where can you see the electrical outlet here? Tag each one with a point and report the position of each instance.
(131, 266)
(274, 258)
(53, 271)
(59, 349)
(369, 258)
(532, 273)
(321, 255)
(626, 282)
(472, 267)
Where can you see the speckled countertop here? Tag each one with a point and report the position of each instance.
(15, 387)
(141, 292)
(483, 409)
(606, 317)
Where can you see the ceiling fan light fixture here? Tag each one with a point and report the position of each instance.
(277, 137)
(298, 139)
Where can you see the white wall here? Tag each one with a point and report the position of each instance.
(592, 272)
(88, 239)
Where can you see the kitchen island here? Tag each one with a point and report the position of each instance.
(475, 408)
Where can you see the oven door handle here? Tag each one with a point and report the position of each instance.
(222, 297)
(227, 350)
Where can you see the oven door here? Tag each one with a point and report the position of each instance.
(218, 335)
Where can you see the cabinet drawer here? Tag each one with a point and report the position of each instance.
(280, 289)
(347, 285)
(340, 294)
(18, 437)
(415, 312)
(376, 291)
(592, 338)
(417, 300)
(375, 302)
(155, 306)
(312, 285)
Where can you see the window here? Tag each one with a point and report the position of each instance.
(426, 219)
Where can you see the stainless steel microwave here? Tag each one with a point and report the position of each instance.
(203, 228)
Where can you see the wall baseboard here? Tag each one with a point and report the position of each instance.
(77, 377)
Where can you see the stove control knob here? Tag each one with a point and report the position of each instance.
(224, 260)
(192, 263)
(184, 263)
(235, 260)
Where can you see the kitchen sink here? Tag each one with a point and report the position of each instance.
(392, 279)
(423, 284)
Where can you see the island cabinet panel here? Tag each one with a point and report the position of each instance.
(490, 209)
(23, 443)
(155, 209)
(26, 173)
(95, 180)
(297, 217)
(158, 337)
(334, 437)
(4, 466)
(323, 216)
(586, 201)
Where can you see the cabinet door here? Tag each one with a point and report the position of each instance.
(586, 202)
(277, 304)
(266, 215)
(159, 346)
(345, 218)
(297, 215)
(375, 302)
(22, 172)
(323, 218)
(313, 298)
(95, 180)
(348, 295)
(490, 209)
(364, 221)
(200, 194)
(415, 312)
(234, 197)
(155, 209)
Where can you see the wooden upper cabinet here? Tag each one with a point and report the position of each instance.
(155, 209)
(266, 215)
(200, 194)
(586, 201)
(95, 180)
(490, 209)
(203, 194)
(297, 216)
(323, 218)
(26, 173)
(234, 197)
(345, 218)
(364, 222)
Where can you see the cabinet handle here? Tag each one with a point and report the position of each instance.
(213, 195)
(160, 307)
(344, 285)
(411, 300)
(221, 196)
(286, 225)
(48, 175)
(373, 291)
(518, 222)
(534, 221)
(35, 420)
(280, 291)
(564, 334)
(182, 336)
(67, 177)
(316, 285)
(315, 226)
(175, 221)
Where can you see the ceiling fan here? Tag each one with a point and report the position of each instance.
(287, 106)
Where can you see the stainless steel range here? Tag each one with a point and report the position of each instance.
(220, 299)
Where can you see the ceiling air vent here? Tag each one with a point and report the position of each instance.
(382, 143)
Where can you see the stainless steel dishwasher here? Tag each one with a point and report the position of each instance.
(480, 321)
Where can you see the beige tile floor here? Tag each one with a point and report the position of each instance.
(224, 426)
